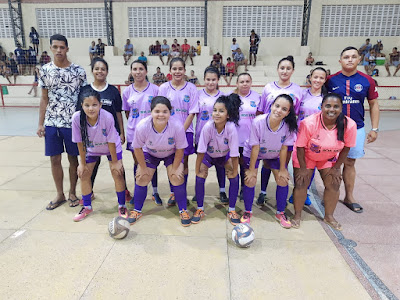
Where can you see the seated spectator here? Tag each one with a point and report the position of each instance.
(44, 58)
(21, 60)
(328, 72)
(100, 47)
(309, 59)
(234, 47)
(158, 77)
(185, 51)
(364, 49)
(155, 49)
(369, 62)
(230, 70)
(92, 51)
(239, 60)
(142, 57)
(128, 51)
(32, 61)
(378, 47)
(394, 60)
(130, 79)
(175, 50)
(217, 58)
(169, 77)
(164, 50)
(192, 78)
(198, 48)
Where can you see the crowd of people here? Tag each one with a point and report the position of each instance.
(320, 127)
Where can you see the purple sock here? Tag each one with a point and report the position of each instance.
(186, 178)
(180, 196)
(281, 197)
(248, 197)
(220, 176)
(171, 187)
(265, 174)
(87, 199)
(200, 191)
(139, 196)
(121, 198)
(233, 191)
(312, 177)
(154, 180)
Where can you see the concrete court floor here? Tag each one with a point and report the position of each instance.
(44, 254)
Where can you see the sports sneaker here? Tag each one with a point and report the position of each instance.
(223, 198)
(156, 198)
(134, 216)
(283, 220)
(186, 220)
(83, 213)
(197, 216)
(171, 200)
(233, 217)
(261, 199)
(128, 196)
(308, 200)
(123, 212)
(246, 217)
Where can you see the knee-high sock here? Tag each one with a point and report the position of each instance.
(180, 196)
(312, 177)
(139, 196)
(200, 191)
(154, 180)
(186, 178)
(87, 199)
(281, 197)
(248, 197)
(242, 168)
(220, 176)
(265, 174)
(233, 191)
(121, 198)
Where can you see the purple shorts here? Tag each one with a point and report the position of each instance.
(289, 149)
(215, 161)
(56, 138)
(190, 148)
(92, 159)
(129, 147)
(272, 163)
(153, 162)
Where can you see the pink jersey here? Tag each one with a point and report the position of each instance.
(206, 106)
(270, 141)
(272, 90)
(159, 144)
(138, 104)
(247, 112)
(309, 105)
(320, 143)
(219, 144)
(184, 101)
(99, 135)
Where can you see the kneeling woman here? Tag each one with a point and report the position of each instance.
(270, 136)
(159, 138)
(218, 146)
(323, 141)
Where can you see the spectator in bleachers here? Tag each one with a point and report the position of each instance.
(92, 52)
(169, 77)
(378, 47)
(239, 60)
(21, 60)
(164, 50)
(369, 61)
(34, 36)
(158, 77)
(234, 47)
(309, 59)
(193, 78)
(155, 49)
(35, 82)
(365, 48)
(44, 58)
(185, 51)
(128, 51)
(142, 57)
(130, 79)
(32, 61)
(230, 70)
(394, 60)
(328, 72)
(198, 48)
(254, 41)
(175, 50)
(217, 58)
(10, 69)
(100, 48)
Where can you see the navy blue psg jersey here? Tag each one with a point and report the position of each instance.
(353, 89)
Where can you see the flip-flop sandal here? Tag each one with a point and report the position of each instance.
(357, 208)
(73, 203)
(295, 224)
(52, 205)
(335, 225)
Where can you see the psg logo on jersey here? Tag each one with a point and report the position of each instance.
(171, 141)
(150, 98)
(104, 132)
(172, 111)
(186, 98)
(252, 103)
(283, 139)
(263, 150)
(135, 113)
(358, 88)
(210, 149)
(315, 148)
(226, 141)
(204, 115)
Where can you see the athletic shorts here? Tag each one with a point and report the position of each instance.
(153, 162)
(94, 158)
(56, 139)
(215, 161)
(394, 63)
(190, 148)
(175, 54)
(312, 164)
(164, 53)
(358, 150)
(272, 163)
(129, 146)
(254, 49)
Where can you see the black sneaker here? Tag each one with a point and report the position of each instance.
(223, 198)
(171, 200)
(261, 199)
(157, 199)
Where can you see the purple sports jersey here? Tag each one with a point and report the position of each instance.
(138, 104)
(219, 144)
(270, 141)
(247, 113)
(272, 90)
(159, 144)
(183, 101)
(353, 89)
(309, 105)
(206, 106)
(99, 135)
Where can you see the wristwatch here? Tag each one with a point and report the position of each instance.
(375, 129)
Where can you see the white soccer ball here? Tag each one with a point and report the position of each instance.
(118, 228)
(243, 235)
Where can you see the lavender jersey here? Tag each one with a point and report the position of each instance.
(272, 90)
(219, 144)
(184, 101)
(247, 113)
(206, 106)
(270, 141)
(159, 144)
(138, 104)
(309, 105)
(99, 135)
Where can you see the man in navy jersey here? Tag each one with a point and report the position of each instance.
(354, 87)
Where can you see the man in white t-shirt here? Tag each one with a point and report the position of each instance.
(234, 47)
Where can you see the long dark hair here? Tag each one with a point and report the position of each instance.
(288, 58)
(86, 93)
(341, 121)
(139, 62)
(324, 90)
(290, 119)
(212, 70)
(232, 104)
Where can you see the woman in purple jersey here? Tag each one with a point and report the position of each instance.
(218, 145)
(285, 71)
(184, 102)
(160, 138)
(271, 134)
(94, 131)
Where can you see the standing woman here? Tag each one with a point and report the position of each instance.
(34, 36)
(323, 142)
(184, 101)
(136, 102)
(271, 91)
